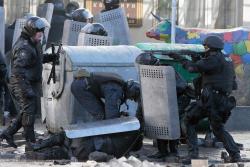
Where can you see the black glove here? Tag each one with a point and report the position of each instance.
(51, 58)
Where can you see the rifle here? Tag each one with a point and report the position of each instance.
(178, 54)
(55, 62)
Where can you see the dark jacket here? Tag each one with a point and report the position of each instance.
(27, 60)
(217, 72)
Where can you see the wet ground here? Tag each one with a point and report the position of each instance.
(10, 157)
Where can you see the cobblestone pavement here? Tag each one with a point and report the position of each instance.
(15, 157)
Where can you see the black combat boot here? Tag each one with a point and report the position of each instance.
(8, 133)
(162, 146)
(9, 139)
(54, 140)
(235, 158)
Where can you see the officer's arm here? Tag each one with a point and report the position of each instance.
(113, 94)
(22, 61)
(204, 65)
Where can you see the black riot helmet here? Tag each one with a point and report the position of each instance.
(111, 4)
(132, 90)
(147, 58)
(58, 5)
(71, 7)
(82, 15)
(35, 24)
(213, 42)
(94, 29)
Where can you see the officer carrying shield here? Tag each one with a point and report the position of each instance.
(26, 77)
(57, 22)
(94, 29)
(88, 89)
(218, 81)
(70, 8)
(82, 15)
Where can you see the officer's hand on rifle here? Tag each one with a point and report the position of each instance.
(54, 58)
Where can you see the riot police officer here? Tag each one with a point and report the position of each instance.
(57, 22)
(70, 8)
(94, 29)
(88, 89)
(111, 4)
(82, 15)
(218, 81)
(184, 96)
(26, 76)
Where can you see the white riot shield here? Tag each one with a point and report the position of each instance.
(2, 29)
(116, 24)
(93, 40)
(109, 126)
(160, 109)
(18, 29)
(71, 31)
(46, 11)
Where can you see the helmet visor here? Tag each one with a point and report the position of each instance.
(41, 23)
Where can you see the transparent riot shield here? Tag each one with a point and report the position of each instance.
(46, 11)
(2, 26)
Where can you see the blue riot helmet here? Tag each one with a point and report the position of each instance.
(35, 24)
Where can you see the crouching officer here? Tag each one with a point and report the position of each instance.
(26, 76)
(88, 89)
(218, 81)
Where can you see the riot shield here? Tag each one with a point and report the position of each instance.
(93, 40)
(46, 11)
(2, 29)
(160, 109)
(116, 24)
(18, 29)
(116, 125)
(71, 31)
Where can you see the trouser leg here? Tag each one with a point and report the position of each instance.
(8, 133)
(223, 136)
(191, 119)
(28, 119)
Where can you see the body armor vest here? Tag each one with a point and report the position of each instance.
(220, 79)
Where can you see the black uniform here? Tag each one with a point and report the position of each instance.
(25, 85)
(88, 92)
(215, 101)
(3, 72)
